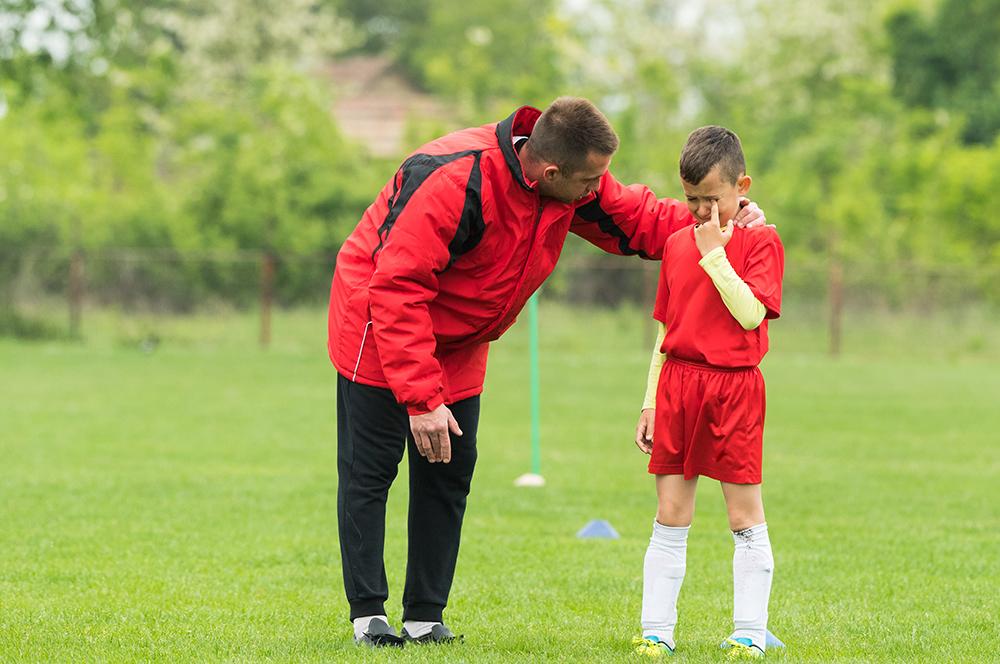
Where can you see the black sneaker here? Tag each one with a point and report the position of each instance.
(438, 634)
(380, 635)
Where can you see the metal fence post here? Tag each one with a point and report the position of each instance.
(266, 296)
(75, 292)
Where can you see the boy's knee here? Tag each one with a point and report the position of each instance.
(743, 519)
(674, 517)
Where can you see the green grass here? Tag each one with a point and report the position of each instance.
(181, 505)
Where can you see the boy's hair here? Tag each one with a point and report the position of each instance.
(568, 131)
(708, 146)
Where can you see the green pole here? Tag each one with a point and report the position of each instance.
(536, 410)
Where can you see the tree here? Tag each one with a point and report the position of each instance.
(950, 61)
(484, 56)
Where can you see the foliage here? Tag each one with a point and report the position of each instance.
(950, 61)
(483, 55)
(213, 137)
(196, 126)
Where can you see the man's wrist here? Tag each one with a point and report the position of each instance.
(425, 407)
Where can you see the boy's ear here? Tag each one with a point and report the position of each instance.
(743, 184)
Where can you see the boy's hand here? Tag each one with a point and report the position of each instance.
(749, 214)
(710, 235)
(644, 430)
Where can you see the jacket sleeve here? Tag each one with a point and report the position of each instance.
(414, 252)
(629, 220)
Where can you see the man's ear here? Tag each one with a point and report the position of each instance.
(550, 173)
(743, 184)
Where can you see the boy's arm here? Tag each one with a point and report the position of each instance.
(736, 294)
(644, 428)
(655, 365)
(756, 295)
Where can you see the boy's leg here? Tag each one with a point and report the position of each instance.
(666, 556)
(753, 563)
(675, 500)
(744, 505)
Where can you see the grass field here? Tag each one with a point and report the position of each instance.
(180, 505)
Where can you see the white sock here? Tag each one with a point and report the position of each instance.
(361, 625)
(417, 628)
(753, 567)
(662, 576)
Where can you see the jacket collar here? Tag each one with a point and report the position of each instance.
(518, 123)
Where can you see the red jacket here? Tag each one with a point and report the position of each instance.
(450, 251)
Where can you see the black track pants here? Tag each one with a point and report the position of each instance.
(372, 430)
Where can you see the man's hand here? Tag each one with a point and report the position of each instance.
(749, 214)
(710, 235)
(430, 432)
(644, 430)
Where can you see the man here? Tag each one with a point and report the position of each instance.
(439, 266)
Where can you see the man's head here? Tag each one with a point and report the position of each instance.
(570, 149)
(713, 170)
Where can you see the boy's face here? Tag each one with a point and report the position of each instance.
(715, 188)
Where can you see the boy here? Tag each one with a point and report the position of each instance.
(718, 287)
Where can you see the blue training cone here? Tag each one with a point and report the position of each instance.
(771, 641)
(598, 529)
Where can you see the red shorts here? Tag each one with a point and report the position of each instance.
(709, 421)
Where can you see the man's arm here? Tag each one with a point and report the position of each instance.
(631, 220)
(414, 252)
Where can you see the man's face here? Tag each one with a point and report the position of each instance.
(575, 185)
(715, 188)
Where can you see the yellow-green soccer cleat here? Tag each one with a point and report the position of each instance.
(651, 646)
(741, 648)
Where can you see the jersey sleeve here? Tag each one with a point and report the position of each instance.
(765, 268)
(629, 220)
(662, 295)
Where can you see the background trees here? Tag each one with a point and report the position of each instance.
(870, 127)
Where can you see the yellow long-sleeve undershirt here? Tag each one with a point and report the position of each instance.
(655, 365)
(736, 295)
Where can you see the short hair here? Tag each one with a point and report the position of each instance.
(708, 146)
(569, 130)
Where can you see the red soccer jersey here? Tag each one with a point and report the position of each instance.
(700, 327)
